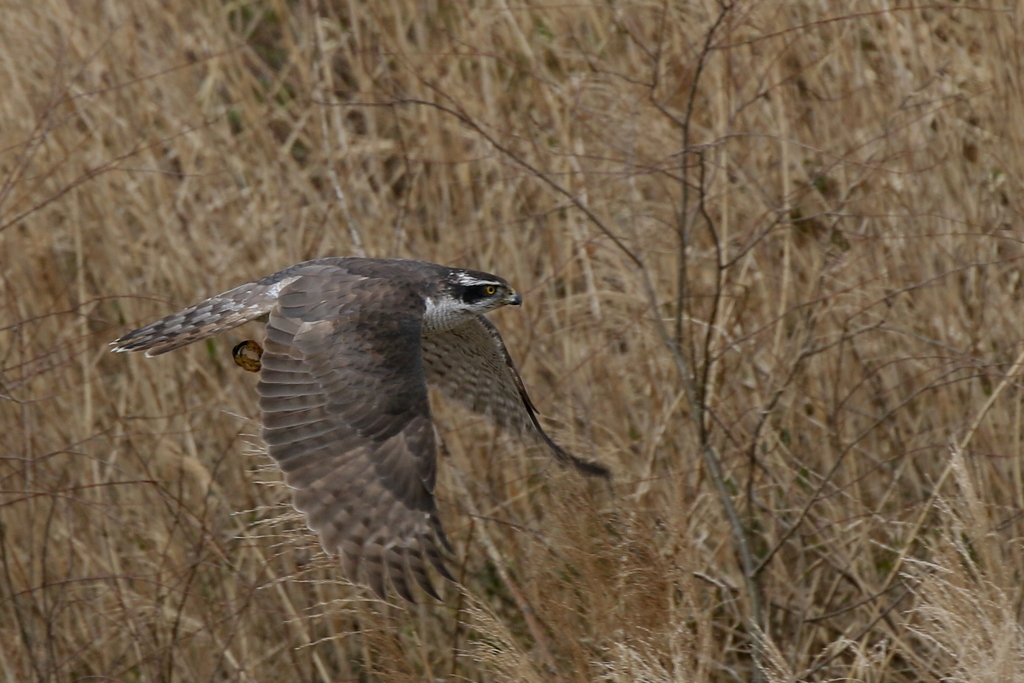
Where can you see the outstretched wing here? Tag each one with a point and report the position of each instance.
(346, 416)
(207, 318)
(470, 364)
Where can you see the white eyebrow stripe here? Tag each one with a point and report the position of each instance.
(470, 281)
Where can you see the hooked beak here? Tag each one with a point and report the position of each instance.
(513, 298)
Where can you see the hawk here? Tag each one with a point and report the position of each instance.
(351, 346)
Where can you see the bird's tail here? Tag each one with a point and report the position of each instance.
(205, 319)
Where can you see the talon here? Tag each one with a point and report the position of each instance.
(247, 355)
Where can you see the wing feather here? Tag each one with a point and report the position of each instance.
(471, 365)
(345, 414)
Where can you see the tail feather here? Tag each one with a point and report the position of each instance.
(205, 319)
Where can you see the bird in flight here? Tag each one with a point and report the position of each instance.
(351, 346)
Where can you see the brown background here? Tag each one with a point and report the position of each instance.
(779, 400)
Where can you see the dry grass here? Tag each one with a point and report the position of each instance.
(812, 410)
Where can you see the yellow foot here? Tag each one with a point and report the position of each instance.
(247, 355)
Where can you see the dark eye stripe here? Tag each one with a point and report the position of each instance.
(477, 292)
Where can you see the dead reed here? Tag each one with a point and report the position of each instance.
(770, 253)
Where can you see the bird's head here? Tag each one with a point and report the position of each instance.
(464, 294)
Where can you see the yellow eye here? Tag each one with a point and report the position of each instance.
(489, 290)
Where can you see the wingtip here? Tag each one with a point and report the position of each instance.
(587, 467)
(564, 457)
(594, 469)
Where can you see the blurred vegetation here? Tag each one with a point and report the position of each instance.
(770, 253)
